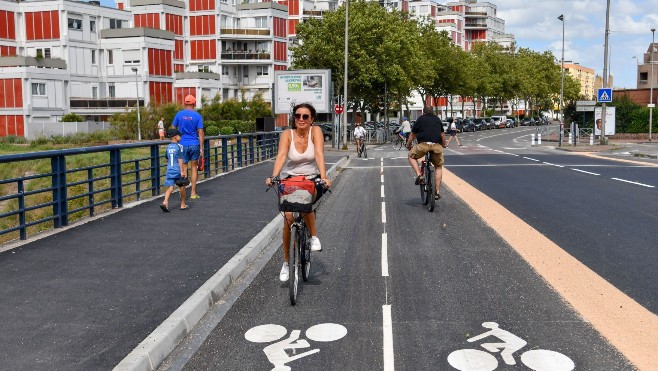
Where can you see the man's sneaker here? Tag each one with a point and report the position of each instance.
(315, 244)
(283, 276)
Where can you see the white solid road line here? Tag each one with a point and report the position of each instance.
(586, 172)
(389, 359)
(636, 183)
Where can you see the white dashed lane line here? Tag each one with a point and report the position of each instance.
(586, 172)
(636, 183)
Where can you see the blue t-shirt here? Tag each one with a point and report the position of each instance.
(188, 122)
(173, 153)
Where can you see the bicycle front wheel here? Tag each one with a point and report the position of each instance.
(293, 266)
(365, 151)
(431, 190)
(305, 254)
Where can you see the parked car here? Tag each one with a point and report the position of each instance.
(489, 122)
(510, 123)
(499, 121)
(468, 125)
(528, 121)
(480, 124)
(327, 131)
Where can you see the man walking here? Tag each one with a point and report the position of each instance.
(190, 124)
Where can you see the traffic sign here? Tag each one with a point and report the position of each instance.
(585, 103)
(585, 108)
(604, 95)
(338, 109)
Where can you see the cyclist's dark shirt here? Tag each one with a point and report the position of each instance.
(428, 128)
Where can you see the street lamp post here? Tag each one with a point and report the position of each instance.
(139, 119)
(651, 104)
(603, 139)
(347, 7)
(561, 18)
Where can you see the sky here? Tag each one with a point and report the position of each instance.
(535, 26)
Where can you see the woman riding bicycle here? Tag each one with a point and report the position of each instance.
(301, 152)
(359, 135)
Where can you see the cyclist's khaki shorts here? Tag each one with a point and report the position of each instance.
(421, 149)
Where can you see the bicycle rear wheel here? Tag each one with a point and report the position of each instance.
(398, 144)
(293, 266)
(431, 189)
(305, 255)
(364, 150)
(422, 193)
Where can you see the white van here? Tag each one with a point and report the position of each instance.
(500, 121)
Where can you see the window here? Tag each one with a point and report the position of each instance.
(261, 22)
(39, 88)
(93, 57)
(110, 57)
(262, 70)
(224, 70)
(46, 52)
(75, 24)
(203, 68)
(92, 26)
(115, 23)
(111, 91)
(94, 92)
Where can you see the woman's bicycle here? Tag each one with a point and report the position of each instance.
(428, 186)
(361, 150)
(299, 249)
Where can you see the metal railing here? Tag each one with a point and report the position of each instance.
(55, 188)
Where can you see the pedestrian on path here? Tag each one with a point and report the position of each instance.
(453, 133)
(176, 174)
(161, 128)
(190, 124)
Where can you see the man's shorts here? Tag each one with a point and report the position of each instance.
(191, 153)
(421, 149)
(405, 135)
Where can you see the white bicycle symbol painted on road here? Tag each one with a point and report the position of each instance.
(276, 353)
(478, 360)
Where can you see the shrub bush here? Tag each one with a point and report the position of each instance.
(227, 130)
(212, 131)
(72, 117)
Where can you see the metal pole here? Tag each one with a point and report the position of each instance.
(651, 104)
(561, 18)
(139, 118)
(604, 140)
(347, 7)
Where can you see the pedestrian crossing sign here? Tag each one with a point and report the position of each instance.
(604, 95)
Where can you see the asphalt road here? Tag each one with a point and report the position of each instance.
(397, 287)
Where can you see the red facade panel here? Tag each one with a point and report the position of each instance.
(120, 6)
(18, 93)
(9, 93)
(179, 67)
(38, 26)
(20, 127)
(11, 26)
(29, 25)
(292, 26)
(174, 24)
(280, 51)
(54, 20)
(3, 94)
(11, 125)
(47, 26)
(182, 92)
(3, 126)
(178, 50)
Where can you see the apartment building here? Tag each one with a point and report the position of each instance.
(644, 71)
(584, 75)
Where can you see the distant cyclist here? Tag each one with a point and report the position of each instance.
(428, 130)
(405, 129)
(359, 136)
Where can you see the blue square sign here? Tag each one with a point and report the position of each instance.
(604, 95)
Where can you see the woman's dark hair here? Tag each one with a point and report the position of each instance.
(301, 105)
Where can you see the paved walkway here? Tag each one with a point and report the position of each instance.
(83, 298)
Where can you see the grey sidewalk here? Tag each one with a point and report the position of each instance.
(84, 298)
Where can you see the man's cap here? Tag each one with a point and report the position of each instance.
(172, 133)
(404, 117)
(190, 99)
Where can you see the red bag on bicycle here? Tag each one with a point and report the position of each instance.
(296, 194)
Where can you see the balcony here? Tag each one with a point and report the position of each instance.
(475, 25)
(32, 62)
(104, 103)
(483, 14)
(245, 55)
(244, 31)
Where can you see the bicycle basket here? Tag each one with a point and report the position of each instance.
(296, 194)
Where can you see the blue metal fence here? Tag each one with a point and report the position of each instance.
(61, 186)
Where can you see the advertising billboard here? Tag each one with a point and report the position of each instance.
(302, 86)
(610, 122)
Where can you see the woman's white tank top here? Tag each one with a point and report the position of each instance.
(301, 163)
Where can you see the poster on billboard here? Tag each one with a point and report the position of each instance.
(610, 122)
(293, 87)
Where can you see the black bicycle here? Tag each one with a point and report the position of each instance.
(399, 143)
(428, 187)
(361, 150)
(299, 249)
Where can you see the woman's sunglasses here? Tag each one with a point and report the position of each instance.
(300, 116)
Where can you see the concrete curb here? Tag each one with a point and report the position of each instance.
(148, 355)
